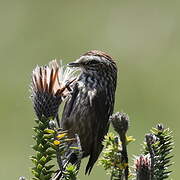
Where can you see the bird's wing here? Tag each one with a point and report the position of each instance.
(101, 126)
(70, 103)
(95, 111)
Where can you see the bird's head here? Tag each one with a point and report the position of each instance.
(94, 61)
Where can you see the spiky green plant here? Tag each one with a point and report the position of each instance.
(162, 150)
(159, 145)
(114, 156)
(49, 86)
(71, 172)
(63, 147)
(42, 169)
(112, 159)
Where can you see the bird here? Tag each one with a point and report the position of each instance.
(88, 109)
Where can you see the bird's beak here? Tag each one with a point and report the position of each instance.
(74, 64)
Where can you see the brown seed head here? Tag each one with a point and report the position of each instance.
(50, 86)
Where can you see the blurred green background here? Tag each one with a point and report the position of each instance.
(143, 36)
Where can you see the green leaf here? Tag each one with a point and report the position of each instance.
(41, 148)
(36, 174)
(50, 151)
(49, 167)
(50, 131)
(35, 147)
(39, 167)
(48, 136)
(43, 160)
(39, 155)
(73, 147)
(34, 160)
(35, 178)
(48, 176)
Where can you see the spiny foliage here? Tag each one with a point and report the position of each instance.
(162, 146)
(71, 172)
(64, 148)
(53, 143)
(111, 159)
(42, 169)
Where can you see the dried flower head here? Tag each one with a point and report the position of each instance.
(143, 167)
(50, 85)
(120, 122)
(150, 139)
(160, 127)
